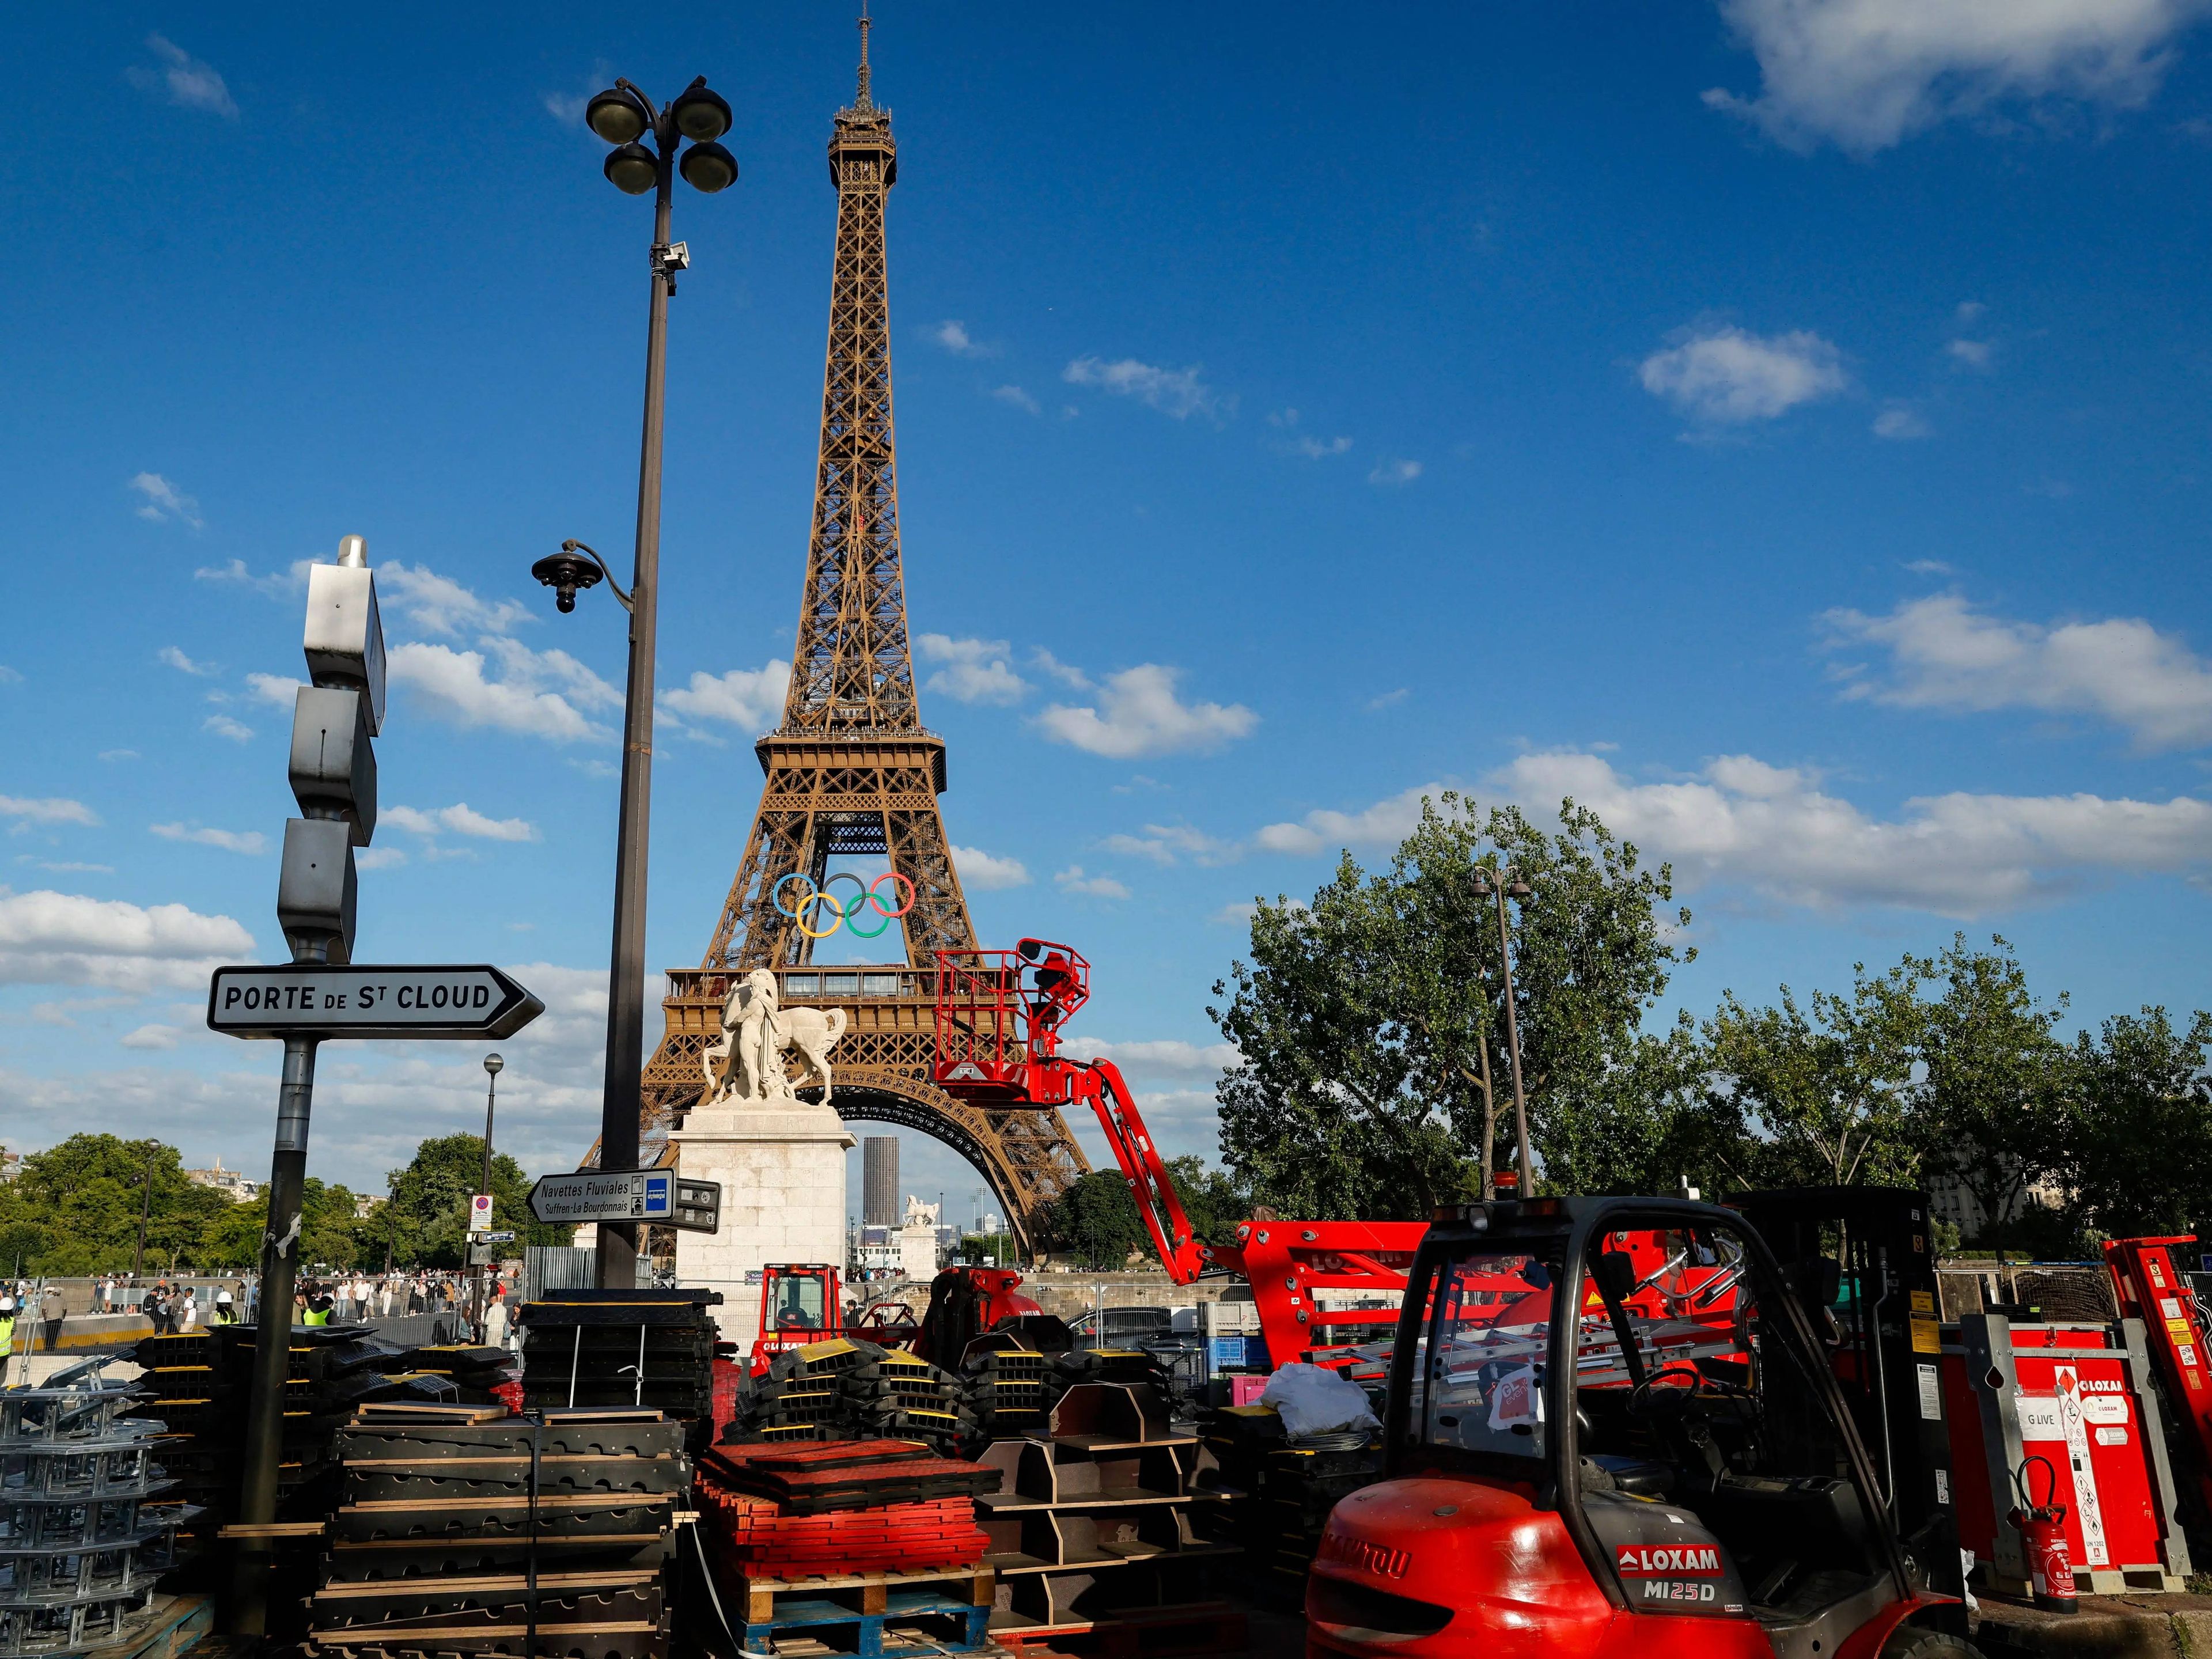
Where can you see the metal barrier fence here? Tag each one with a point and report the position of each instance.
(2067, 1291)
(557, 1267)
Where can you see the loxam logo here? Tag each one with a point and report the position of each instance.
(1366, 1557)
(1643, 1559)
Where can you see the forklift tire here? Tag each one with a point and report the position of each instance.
(1914, 1642)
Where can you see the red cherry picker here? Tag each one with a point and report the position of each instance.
(1000, 1015)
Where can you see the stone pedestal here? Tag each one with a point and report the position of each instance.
(918, 1253)
(782, 1170)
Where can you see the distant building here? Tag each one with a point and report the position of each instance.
(11, 1164)
(1953, 1202)
(238, 1188)
(365, 1206)
(879, 1181)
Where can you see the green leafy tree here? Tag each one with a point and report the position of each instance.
(74, 1208)
(2139, 1158)
(1991, 1107)
(1826, 1094)
(1375, 1076)
(1095, 1220)
(426, 1217)
(331, 1235)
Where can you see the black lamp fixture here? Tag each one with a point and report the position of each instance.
(623, 116)
(567, 574)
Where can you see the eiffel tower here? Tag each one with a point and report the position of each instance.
(851, 770)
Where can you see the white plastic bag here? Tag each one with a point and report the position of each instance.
(1313, 1400)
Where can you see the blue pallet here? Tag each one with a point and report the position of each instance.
(867, 1641)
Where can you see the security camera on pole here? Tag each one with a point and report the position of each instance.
(322, 993)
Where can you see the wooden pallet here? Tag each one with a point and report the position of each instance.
(871, 1615)
(1196, 1628)
(178, 1624)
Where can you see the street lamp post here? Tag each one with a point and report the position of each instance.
(145, 1214)
(1501, 884)
(492, 1063)
(623, 116)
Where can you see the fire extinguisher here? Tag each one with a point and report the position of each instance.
(2043, 1531)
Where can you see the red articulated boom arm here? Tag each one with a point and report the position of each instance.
(999, 1019)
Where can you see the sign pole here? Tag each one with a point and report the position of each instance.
(272, 1335)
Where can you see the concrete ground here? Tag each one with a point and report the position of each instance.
(2109, 1626)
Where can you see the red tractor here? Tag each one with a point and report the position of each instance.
(999, 1015)
(1589, 1457)
(800, 1304)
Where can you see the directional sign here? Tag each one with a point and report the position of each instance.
(499, 1238)
(654, 1195)
(313, 1000)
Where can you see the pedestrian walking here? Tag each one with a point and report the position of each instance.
(50, 1308)
(6, 1335)
(191, 1308)
(495, 1321)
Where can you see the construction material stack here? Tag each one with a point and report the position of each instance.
(88, 1519)
(1092, 1534)
(861, 1547)
(200, 1379)
(467, 1530)
(1005, 1387)
(475, 1372)
(646, 1349)
(847, 1388)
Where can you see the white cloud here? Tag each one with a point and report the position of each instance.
(953, 336)
(540, 694)
(164, 502)
(379, 858)
(1901, 421)
(150, 1037)
(1928, 567)
(1383, 824)
(1725, 375)
(63, 939)
(749, 698)
(1772, 828)
(1946, 654)
(1019, 398)
(563, 107)
(276, 583)
(171, 657)
(223, 727)
(278, 689)
(986, 872)
(54, 808)
(251, 843)
(190, 83)
(461, 819)
(1176, 391)
(1237, 914)
(439, 604)
(975, 670)
(1866, 74)
(1066, 673)
(1167, 1057)
(119, 754)
(11, 675)
(69, 866)
(1389, 699)
(1392, 470)
(1974, 353)
(1170, 843)
(1073, 880)
(1143, 716)
(1317, 449)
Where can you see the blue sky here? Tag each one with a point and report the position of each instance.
(1778, 423)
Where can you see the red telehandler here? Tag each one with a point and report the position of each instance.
(1000, 1018)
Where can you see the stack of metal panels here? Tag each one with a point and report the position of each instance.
(468, 1531)
(650, 1349)
(88, 1518)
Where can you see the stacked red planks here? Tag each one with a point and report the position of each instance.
(850, 1506)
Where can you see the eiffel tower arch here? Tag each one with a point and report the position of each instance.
(851, 772)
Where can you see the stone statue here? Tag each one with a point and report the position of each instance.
(918, 1214)
(745, 1066)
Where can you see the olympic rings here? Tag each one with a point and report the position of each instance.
(837, 915)
(843, 912)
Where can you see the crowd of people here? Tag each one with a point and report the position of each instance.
(177, 1306)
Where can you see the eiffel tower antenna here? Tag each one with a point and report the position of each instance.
(852, 773)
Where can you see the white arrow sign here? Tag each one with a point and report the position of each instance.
(311, 999)
(605, 1195)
